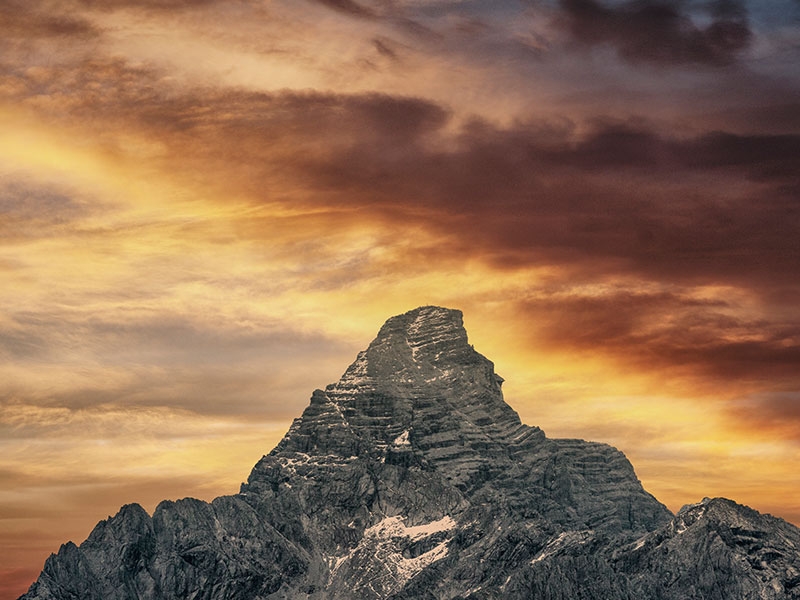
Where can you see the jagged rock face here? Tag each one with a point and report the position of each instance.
(412, 478)
(421, 379)
(717, 549)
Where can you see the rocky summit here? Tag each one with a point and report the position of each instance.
(412, 478)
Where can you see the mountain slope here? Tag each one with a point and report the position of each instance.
(412, 478)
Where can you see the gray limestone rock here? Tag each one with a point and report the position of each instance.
(412, 478)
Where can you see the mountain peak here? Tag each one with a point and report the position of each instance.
(425, 321)
(419, 374)
(420, 381)
(411, 477)
(425, 347)
(410, 344)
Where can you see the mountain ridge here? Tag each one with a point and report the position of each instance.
(411, 477)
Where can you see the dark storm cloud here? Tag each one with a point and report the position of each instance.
(660, 31)
(620, 197)
(669, 331)
(780, 118)
(623, 145)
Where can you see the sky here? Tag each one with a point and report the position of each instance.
(208, 207)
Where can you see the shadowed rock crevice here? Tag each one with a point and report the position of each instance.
(411, 477)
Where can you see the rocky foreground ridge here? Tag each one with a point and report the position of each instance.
(411, 478)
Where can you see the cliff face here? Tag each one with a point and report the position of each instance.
(411, 478)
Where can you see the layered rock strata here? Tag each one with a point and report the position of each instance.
(412, 478)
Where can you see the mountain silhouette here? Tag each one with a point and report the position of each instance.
(411, 477)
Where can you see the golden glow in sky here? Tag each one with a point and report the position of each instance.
(207, 208)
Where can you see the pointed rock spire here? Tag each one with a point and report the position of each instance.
(411, 477)
(419, 374)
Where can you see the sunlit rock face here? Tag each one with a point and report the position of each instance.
(412, 478)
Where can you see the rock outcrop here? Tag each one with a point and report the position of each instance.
(412, 478)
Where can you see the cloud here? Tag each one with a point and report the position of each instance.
(660, 31)
(384, 48)
(629, 145)
(698, 339)
(604, 196)
(777, 411)
(349, 7)
(29, 21)
(141, 96)
(666, 332)
(148, 5)
(618, 199)
(199, 364)
(34, 209)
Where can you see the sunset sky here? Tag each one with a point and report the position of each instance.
(208, 207)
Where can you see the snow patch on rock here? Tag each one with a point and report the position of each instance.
(402, 439)
(381, 559)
